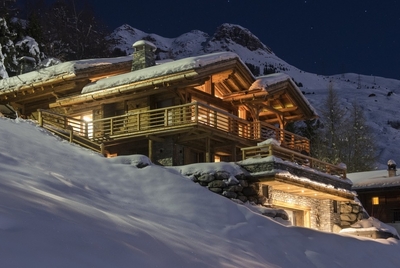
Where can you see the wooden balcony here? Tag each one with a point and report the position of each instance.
(170, 120)
(292, 156)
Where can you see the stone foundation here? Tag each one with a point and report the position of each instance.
(247, 189)
(322, 215)
(240, 187)
(168, 153)
(350, 213)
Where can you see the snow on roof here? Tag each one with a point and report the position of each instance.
(263, 82)
(373, 179)
(61, 69)
(286, 173)
(159, 70)
(229, 167)
(267, 80)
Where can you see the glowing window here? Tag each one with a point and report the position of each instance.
(375, 200)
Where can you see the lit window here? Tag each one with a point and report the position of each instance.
(375, 200)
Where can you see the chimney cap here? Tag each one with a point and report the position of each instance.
(391, 164)
(144, 43)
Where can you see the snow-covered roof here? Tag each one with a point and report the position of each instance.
(373, 179)
(164, 69)
(62, 69)
(268, 80)
(250, 161)
(263, 82)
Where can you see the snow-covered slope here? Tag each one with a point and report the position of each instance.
(379, 97)
(64, 206)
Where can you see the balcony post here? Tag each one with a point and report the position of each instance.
(208, 150)
(234, 157)
(71, 135)
(86, 130)
(40, 118)
(151, 150)
(196, 112)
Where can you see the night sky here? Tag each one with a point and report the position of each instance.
(318, 36)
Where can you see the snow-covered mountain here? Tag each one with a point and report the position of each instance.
(379, 97)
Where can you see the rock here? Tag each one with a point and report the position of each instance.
(238, 35)
(217, 183)
(240, 177)
(229, 194)
(348, 217)
(249, 191)
(282, 214)
(222, 175)
(244, 183)
(356, 209)
(336, 228)
(231, 181)
(234, 188)
(261, 199)
(215, 190)
(242, 198)
(345, 224)
(253, 199)
(345, 208)
(269, 213)
(206, 177)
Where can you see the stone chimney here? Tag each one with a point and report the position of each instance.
(391, 168)
(143, 55)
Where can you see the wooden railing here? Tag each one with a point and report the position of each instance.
(292, 156)
(170, 119)
(264, 131)
(66, 127)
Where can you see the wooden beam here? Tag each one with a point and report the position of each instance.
(296, 187)
(194, 136)
(151, 150)
(155, 138)
(208, 150)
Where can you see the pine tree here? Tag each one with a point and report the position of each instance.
(73, 32)
(344, 136)
(359, 154)
(8, 54)
(334, 120)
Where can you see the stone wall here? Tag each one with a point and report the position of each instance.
(350, 213)
(240, 187)
(168, 153)
(321, 211)
(325, 215)
(247, 189)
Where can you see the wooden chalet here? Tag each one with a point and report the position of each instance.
(199, 109)
(379, 192)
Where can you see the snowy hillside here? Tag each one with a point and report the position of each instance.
(379, 97)
(64, 206)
